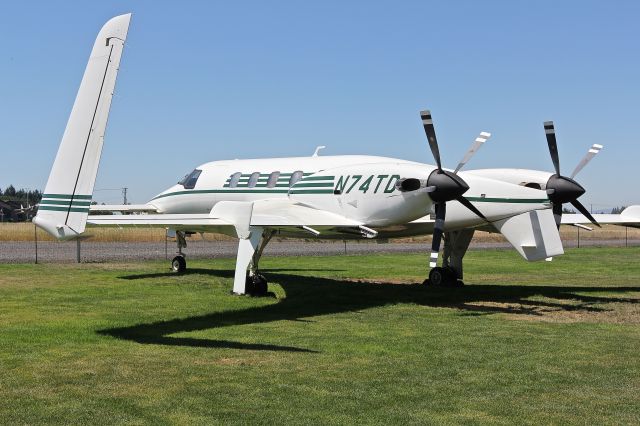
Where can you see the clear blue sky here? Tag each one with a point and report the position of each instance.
(202, 81)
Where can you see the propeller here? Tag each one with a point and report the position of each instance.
(562, 189)
(446, 186)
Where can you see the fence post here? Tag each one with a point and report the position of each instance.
(35, 239)
(626, 236)
(78, 250)
(578, 237)
(166, 247)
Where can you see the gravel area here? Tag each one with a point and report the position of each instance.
(60, 252)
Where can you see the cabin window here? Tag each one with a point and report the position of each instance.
(234, 179)
(273, 179)
(253, 179)
(295, 177)
(189, 181)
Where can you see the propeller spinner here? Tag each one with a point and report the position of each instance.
(562, 189)
(446, 186)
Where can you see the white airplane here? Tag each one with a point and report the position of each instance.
(334, 197)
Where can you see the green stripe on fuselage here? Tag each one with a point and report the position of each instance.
(318, 178)
(312, 191)
(314, 185)
(508, 200)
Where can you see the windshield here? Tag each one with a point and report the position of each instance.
(189, 181)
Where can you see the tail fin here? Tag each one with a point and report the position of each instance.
(65, 203)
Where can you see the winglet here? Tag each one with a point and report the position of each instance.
(237, 213)
(533, 234)
(65, 203)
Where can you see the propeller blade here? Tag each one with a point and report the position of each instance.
(441, 212)
(430, 131)
(593, 151)
(470, 206)
(557, 213)
(585, 212)
(550, 133)
(477, 144)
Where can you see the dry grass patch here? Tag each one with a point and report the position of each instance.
(552, 310)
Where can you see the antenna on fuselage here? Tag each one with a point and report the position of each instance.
(318, 148)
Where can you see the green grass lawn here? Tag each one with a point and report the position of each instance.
(347, 339)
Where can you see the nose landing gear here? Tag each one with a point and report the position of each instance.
(179, 264)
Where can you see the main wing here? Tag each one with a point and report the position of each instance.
(629, 217)
(124, 208)
(228, 216)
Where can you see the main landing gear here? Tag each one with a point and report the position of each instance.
(443, 277)
(247, 278)
(256, 284)
(449, 274)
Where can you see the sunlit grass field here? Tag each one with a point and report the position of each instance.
(344, 340)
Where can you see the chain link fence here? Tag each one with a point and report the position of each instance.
(24, 243)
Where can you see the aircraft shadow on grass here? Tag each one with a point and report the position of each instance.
(313, 296)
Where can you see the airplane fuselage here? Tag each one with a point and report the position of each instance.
(362, 188)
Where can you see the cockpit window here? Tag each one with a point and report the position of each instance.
(296, 176)
(189, 181)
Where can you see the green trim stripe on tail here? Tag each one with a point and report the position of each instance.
(65, 209)
(75, 197)
(65, 203)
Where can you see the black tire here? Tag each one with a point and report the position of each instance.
(178, 264)
(258, 285)
(437, 277)
(443, 277)
(450, 277)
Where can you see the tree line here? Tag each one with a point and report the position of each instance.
(10, 193)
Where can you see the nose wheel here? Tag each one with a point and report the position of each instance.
(179, 264)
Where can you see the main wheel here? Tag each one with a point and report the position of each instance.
(442, 277)
(178, 264)
(437, 276)
(451, 278)
(257, 285)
